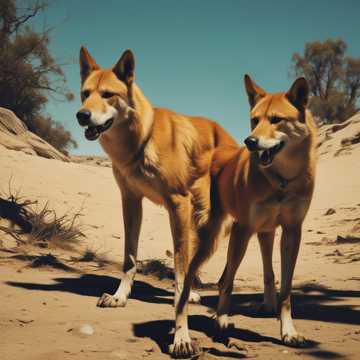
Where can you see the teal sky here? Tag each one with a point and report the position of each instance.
(191, 55)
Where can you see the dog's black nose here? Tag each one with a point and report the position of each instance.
(251, 143)
(83, 117)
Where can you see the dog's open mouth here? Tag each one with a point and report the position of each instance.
(266, 157)
(93, 132)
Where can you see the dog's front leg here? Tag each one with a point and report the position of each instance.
(266, 241)
(290, 243)
(132, 214)
(180, 212)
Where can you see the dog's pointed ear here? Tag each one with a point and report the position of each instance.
(125, 67)
(87, 64)
(298, 94)
(254, 92)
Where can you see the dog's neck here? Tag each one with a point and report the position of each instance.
(130, 135)
(144, 112)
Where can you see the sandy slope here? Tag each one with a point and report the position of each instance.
(41, 309)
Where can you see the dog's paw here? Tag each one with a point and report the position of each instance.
(222, 329)
(194, 297)
(294, 340)
(221, 323)
(107, 300)
(184, 349)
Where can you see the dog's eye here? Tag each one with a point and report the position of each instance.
(275, 119)
(254, 121)
(85, 94)
(107, 94)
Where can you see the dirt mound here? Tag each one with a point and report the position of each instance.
(15, 136)
(339, 139)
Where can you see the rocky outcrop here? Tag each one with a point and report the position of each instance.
(14, 135)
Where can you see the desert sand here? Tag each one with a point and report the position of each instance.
(43, 310)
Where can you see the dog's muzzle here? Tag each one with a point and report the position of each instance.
(266, 157)
(93, 132)
(266, 149)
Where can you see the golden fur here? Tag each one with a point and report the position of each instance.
(156, 153)
(260, 198)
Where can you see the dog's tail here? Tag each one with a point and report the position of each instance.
(208, 235)
(210, 232)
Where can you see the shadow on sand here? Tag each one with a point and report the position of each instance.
(310, 302)
(96, 285)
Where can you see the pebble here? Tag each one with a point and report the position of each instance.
(82, 330)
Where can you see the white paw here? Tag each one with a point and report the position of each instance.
(107, 300)
(290, 337)
(222, 322)
(294, 340)
(181, 348)
(194, 297)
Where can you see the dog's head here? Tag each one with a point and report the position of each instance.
(105, 93)
(278, 121)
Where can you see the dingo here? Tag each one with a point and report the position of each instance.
(155, 153)
(268, 183)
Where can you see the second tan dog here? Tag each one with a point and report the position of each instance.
(265, 185)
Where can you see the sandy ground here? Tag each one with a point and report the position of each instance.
(42, 309)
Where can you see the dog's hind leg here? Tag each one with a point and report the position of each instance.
(183, 235)
(182, 231)
(132, 215)
(266, 241)
(239, 240)
(290, 242)
(208, 233)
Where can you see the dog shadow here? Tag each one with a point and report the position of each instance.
(160, 331)
(309, 302)
(96, 285)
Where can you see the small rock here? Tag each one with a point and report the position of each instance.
(330, 211)
(338, 252)
(327, 240)
(82, 330)
(86, 329)
(131, 340)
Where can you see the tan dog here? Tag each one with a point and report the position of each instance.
(156, 154)
(266, 185)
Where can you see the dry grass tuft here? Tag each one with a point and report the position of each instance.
(91, 255)
(44, 260)
(155, 267)
(47, 227)
(38, 226)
